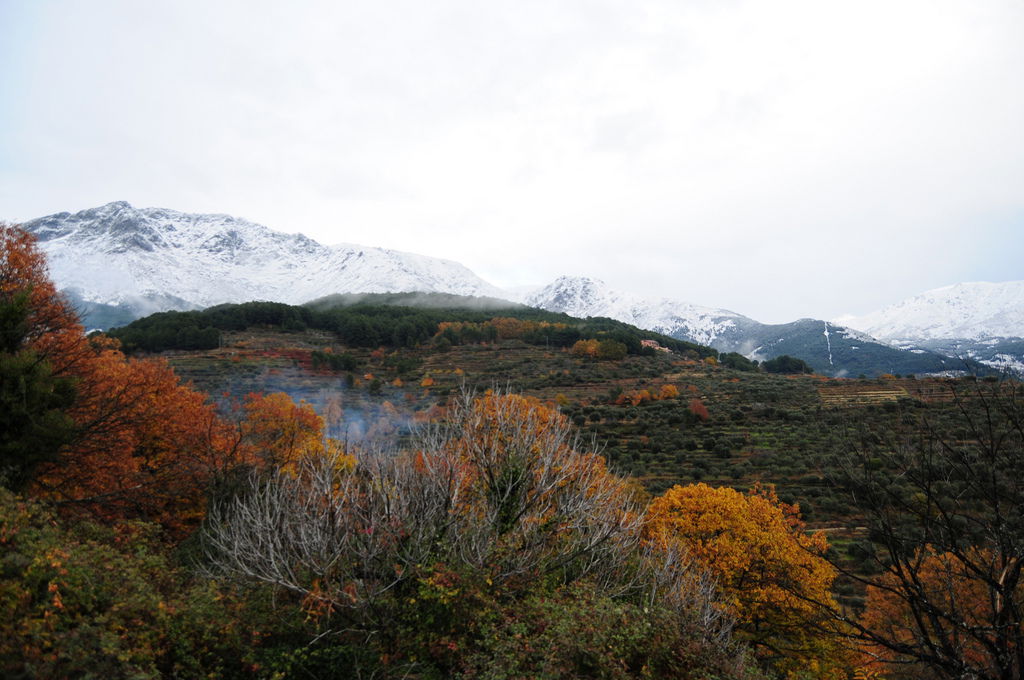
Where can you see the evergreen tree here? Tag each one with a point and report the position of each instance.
(33, 421)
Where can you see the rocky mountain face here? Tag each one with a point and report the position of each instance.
(117, 257)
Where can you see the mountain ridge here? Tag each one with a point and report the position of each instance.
(978, 320)
(210, 259)
(830, 349)
(976, 310)
(582, 296)
(118, 262)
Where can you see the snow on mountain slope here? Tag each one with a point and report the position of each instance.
(829, 349)
(979, 321)
(117, 254)
(120, 262)
(583, 297)
(976, 311)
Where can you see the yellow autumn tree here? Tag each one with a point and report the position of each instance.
(769, 570)
(668, 391)
(584, 348)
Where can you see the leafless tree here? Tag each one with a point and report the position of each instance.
(944, 502)
(501, 488)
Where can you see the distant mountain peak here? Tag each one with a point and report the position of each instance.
(976, 310)
(583, 296)
(830, 348)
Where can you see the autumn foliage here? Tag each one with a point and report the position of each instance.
(142, 445)
(599, 349)
(50, 328)
(146, 446)
(89, 601)
(277, 431)
(949, 585)
(769, 570)
(519, 461)
(698, 409)
(585, 348)
(495, 542)
(152, 448)
(498, 328)
(643, 396)
(494, 522)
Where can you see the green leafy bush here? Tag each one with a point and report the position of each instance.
(105, 603)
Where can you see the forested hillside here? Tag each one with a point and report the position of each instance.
(390, 320)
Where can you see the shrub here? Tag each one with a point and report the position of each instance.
(102, 602)
(422, 552)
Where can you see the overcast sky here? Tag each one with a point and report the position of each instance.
(781, 159)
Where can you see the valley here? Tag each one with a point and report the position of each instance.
(777, 429)
(661, 419)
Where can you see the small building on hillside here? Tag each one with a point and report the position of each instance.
(653, 344)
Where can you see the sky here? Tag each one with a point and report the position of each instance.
(779, 159)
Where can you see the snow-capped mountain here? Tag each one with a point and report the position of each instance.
(981, 321)
(977, 311)
(583, 296)
(829, 348)
(154, 259)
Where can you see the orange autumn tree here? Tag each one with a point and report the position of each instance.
(277, 430)
(960, 613)
(698, 409)
(44, 348)
(142, 444)
(769, 570)
(147, 446)
(157, 449)
(584, 348)
(50, 328)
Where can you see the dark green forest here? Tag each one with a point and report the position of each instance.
(375, 320)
